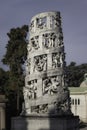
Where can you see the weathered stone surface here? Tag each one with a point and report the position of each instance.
(45, 84)
(44, 122)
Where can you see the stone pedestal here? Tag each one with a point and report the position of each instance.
(44, 122)
(2, 112)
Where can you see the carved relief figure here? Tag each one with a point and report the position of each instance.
(40, 63)
(41, 22)
(54, 21)
(43, 108)
(52, 37)
(46, 40)
(26, 93)
(46, 85)
(55, 60)
(35, 42)
(50, 85)
(49, 40)
(62, 59)
(29, 47)
(58, 59)
(33, 88)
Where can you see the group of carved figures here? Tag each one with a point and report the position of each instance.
(30, 92)
(49, 40)
(59, 108)
(51, 85)
(41, 22)
(55, 21)
(40, 63)
(58, 59)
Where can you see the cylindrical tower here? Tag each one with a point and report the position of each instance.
(45, 88)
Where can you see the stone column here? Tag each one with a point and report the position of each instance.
(46, 69)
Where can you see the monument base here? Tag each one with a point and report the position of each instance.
(44, 122)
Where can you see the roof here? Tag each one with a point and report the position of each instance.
(78, 90)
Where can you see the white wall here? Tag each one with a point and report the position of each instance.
(79, 105)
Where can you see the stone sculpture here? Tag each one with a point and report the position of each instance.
(84, 83)
(40, 63)
(46, 97)
(45, 77)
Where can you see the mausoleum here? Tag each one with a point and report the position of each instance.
(79, 100)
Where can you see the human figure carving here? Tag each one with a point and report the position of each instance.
(33, 88)
(46, 85)
(26, 93)
(50, 85)
(40, 63)
(35, 42)
(49, 40)
(41, 22)
(52, 38)
(56, 60)
(46, 40)
(29, 47)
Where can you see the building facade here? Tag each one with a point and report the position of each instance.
(2, 112)
(79, 102)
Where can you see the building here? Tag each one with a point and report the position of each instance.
(79, 102)
(2, 111)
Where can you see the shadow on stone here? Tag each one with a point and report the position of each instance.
(82, 125)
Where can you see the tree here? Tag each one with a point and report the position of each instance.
(15, 57)
(75, 74)
(4, 79)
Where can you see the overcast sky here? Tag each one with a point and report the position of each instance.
(15, 13)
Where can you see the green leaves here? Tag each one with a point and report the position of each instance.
(16, 54)
(17, 46)
(75, 74)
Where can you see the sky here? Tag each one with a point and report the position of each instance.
(16, 13)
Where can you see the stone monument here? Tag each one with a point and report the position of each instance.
(46, 96)
(84, 82)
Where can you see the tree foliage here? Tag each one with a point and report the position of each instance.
(4, 80)
(16, 53)
(75, 74)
